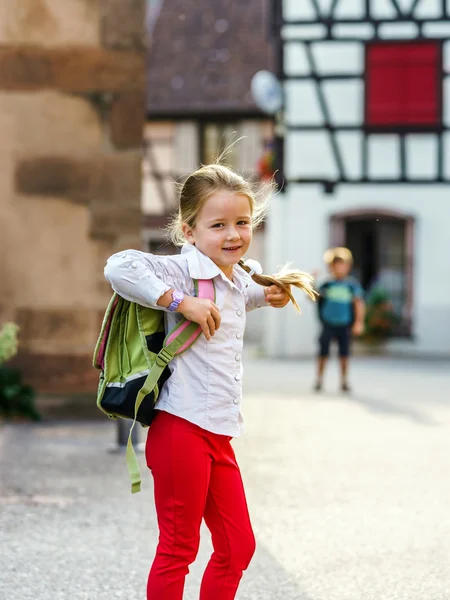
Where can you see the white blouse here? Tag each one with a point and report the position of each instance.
(205, 386)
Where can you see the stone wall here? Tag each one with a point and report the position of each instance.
(72, 81)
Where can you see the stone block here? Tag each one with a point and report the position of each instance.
(48, 122)
(123, 24)
(75, 69)
(56, 348)
(24, 68)
(116, 180)
(54, 176)
(81, 70)
(111, 180)
(58, 373)
(127, 120)
(50, 22)
(58, 330)
(113, 222)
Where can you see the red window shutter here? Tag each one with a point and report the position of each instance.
(403, 84)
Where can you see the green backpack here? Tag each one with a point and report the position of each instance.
(132, 354)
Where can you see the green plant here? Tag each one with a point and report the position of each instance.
(16, 398)
(8, 341)
(381, 319)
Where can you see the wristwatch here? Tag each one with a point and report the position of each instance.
(177, 299)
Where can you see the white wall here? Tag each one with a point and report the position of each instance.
(299, 231)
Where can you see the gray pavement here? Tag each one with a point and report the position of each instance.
(349, 495)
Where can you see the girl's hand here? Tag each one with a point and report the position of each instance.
(276, 297)
(201, 311)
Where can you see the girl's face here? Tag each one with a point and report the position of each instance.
(223, 229)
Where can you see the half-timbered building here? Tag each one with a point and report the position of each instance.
(367, 158)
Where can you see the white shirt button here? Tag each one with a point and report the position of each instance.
(125, 255)
(238, 357)
(237, 377)
(239, 313)
(134, 264)
(236, 400)
(239, 335)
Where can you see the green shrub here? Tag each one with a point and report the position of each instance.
(381, 320)
(8, 341)
(16, 398)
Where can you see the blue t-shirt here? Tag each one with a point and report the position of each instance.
(336, 304)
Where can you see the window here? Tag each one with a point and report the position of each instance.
(403, 85)
(216, 137)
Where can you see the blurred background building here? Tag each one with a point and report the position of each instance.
(367, 159)
(105, 105)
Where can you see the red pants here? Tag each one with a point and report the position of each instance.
(196, 476)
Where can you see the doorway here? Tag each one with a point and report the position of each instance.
(381, 245)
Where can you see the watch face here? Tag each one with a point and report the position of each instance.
(177, 296)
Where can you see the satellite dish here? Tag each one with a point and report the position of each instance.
(267, 92)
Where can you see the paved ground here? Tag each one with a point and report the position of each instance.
(350, 496)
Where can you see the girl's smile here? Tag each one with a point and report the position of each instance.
(232, 248)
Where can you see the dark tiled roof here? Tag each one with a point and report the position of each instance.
(203, 54)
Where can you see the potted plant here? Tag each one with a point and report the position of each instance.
(381, 320)
(16, 398)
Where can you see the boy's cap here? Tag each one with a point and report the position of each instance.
(339, 252)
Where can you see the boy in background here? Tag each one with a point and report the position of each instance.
(341, 311)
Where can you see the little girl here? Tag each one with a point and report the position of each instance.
(188, 449)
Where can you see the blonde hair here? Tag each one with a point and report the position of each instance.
(200, 186)
(339, 253)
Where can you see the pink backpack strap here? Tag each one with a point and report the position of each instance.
(186, 332)
(100, 349)
(204, 288)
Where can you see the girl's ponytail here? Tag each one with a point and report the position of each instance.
(284, 279)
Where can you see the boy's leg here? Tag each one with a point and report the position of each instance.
(226, 515)
(344, 340)
(321, 364)
(177, 455)
(324, 352)
(344, 373)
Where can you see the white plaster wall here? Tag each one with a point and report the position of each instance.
(298, 231)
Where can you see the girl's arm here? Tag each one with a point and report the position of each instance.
(272, 295)
(149, 280)
(255, 297)
(143, 278)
